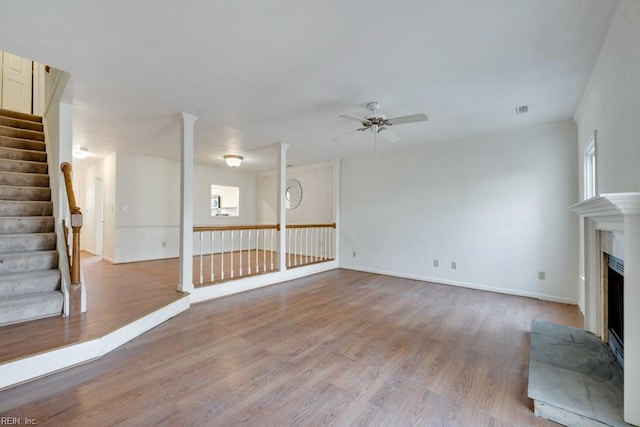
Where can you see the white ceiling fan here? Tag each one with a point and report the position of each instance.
(376, 122)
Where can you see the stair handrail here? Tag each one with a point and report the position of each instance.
(76, 224)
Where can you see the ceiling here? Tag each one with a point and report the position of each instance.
(260, 72)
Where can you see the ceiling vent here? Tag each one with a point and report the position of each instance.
(523, 109)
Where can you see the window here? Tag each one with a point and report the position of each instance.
(225, 200)
(590, 170)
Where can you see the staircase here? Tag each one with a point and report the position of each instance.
(29, 275)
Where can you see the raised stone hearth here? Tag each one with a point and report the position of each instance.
(574, 378)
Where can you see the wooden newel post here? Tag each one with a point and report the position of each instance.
(76, 224)
(75, 297)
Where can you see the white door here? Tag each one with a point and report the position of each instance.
(99, 206)
(17, 78)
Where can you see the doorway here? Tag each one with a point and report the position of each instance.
(16, 83)
(99, 207)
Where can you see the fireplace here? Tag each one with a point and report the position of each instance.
(614, 279)
(613, 214)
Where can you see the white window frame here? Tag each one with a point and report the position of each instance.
(590, 169)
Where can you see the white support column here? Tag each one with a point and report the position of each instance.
(281, 208)
(185, 281)
(631, 316)
(335, 244)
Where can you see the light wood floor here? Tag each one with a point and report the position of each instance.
(117, 295)
(340, 348)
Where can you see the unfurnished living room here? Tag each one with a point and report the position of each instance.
(320, 213)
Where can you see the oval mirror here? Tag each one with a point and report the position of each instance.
(293, 193)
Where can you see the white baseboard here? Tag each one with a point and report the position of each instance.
(36, 366)
(477, 286)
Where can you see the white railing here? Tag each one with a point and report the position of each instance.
(225, 253)
(309, 244)
(231, 252)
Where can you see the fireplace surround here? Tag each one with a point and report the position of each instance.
(614, 287)
(618, 213)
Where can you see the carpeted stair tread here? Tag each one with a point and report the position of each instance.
(24, 179)
(21, 308)
(29, 282)
(23, 166)
(28, 261)
(29, 275)
(26, 224)
(21, 133)
(20, 154)
(10, 192)
(15, 122)
(23, 144)
(27, 242)
(18, 115)
(26, 208)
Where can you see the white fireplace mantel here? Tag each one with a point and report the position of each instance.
(615, 212)
(608, 210)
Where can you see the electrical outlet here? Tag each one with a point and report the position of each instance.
(354, 254)
(436, 263)
(454, 265)
(164, 244)
(542, 275)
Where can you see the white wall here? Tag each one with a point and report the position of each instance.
(142, 202)
(611, 105)
(316, 205)
(205, 176)
(497, 206)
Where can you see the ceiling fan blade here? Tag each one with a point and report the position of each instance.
(389, 135)
(407, 119)
(356, 118)
(345, 134)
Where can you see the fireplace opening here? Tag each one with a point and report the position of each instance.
(615, 307)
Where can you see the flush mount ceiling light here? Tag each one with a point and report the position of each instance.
(233, 160)
(80, 153)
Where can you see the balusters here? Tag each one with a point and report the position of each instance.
(222, 255)
(240, 250)
(271, 243)
(249, 253)
(211, 256)
(310, 244)
(264, 251)
(288, 246)
(201, 266)
(258, 251)
(305, 244)
(295, 246)
(231, 252)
